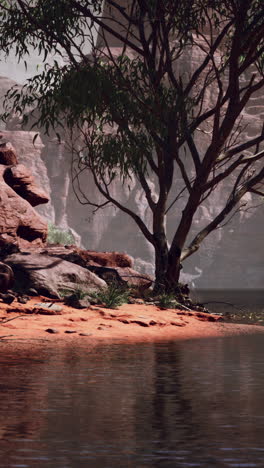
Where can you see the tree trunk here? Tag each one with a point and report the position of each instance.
(167, 273)
(167, 269)
(173, 271)
(161, 263)
(178, 242)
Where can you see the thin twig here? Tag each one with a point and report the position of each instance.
(13, 318)
(4, 336)
(184, 307)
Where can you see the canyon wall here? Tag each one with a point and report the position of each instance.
(231, 257)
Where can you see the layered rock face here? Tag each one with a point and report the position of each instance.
(30, 156)
(98, 231)
(20, 225)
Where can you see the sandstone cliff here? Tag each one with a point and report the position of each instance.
(231, 257)
(20, 224)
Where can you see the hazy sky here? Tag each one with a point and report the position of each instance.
(17, 71)
(10, 68)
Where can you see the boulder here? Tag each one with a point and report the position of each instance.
(30, 155)
(20, 179)
(110, 266)
(125, 276)
(20, 224)
(7, 298)
(77, 303)
(8, 155)
(50, 276)
(108, 274)
(134, 279)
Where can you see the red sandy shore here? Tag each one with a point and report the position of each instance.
(129, 323)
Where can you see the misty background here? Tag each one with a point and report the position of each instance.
(232, 257)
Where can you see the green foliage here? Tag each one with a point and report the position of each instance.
(167, 301)
(46, 26)
(58, 236)
(77, 293)
(129, 96)
(242, 316)
(141, 114)
(112, 297)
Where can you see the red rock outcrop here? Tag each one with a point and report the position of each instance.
(107, 259)
(110, 266)
(20, 224)
(82, 257)
(22, 182)
(30, 155)
(8, 155)
(134, 279)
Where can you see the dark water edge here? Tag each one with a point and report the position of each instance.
(194, 403)
(237, 306)
(197, 403)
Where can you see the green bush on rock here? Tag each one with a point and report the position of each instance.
(58, 236)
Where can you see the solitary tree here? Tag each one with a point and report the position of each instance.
(136, 110)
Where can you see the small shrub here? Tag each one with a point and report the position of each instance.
(167, 301)
(58, 236)
(77, 292)
(112, 297)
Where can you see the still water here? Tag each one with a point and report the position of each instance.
(198, 403)
(240, 306)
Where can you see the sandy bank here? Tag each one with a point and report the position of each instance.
(22, 325)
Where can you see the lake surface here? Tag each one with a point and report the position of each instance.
(197, 403)
(240, 306)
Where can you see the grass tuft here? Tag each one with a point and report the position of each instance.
(167, 301)
(112, 297)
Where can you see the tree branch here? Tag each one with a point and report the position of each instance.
(231, 203)
(223, 175)
(142, 226)
(88, 14)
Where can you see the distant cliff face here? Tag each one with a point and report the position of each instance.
(231, 257)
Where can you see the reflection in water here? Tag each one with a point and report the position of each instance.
(198, 403)
(240, 306)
